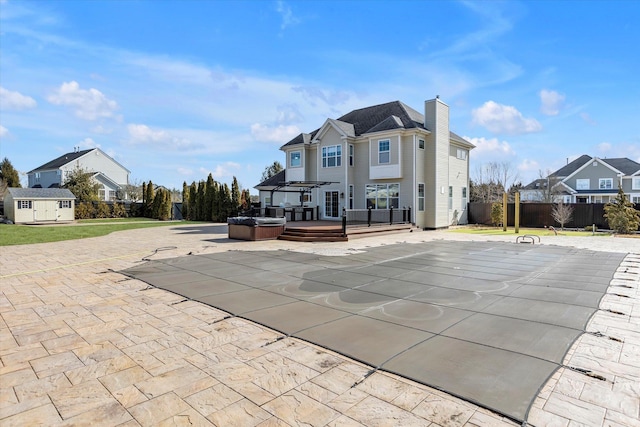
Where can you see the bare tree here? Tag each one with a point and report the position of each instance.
(133, 191)
(490, 181)
(548, 189)
(562, 213)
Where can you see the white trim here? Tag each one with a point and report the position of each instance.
(594, 159)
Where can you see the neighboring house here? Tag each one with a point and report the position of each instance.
(383, 156)
(29, 205)
(111, 175)
(589, 180)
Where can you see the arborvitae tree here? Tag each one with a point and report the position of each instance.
(144, 197)
(200, 208)
(235, 195)
(224, 196)
(164, 210)
(209, 194)
(81, 183)
(193, 198)
(9, 177)
(621, 215)
(156, 206)
(185, 200)
(149, 199)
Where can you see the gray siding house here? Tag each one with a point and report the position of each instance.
(590, 180)
(383, 156)
(111, 175)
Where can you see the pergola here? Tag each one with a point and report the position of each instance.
(300, 187)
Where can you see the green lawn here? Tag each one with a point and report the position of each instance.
(28, 234)
(523, 231)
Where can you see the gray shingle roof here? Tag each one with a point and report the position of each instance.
(389, 116)
(624, 165)
(62, 160)
(273, 181)
(41, 193)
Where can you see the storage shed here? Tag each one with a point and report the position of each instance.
(29, 205)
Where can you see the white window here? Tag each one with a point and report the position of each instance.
(59, 172)
(583, 184)
(37, 176)
(421, 144)
(461, 154)
(383, 196)
(295, 159)
(605, 183)
(267, 201)
(464, 198)
(101, 194)
(64, 204)
(332, 156)
(420, 197)
(351, 151)
(635, 184)
(112, 195)
(307, 198)
(350, 196)
(383, 151)
(24, 204)
(450, 197)
(635, 199)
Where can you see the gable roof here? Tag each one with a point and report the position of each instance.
(67, 158)
(57, 163)
(571, 167)
(41, 193)
(622, 164)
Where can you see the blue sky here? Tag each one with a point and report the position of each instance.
(175, 90)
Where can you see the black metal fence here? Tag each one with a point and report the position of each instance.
(538, 215)
(371, 217)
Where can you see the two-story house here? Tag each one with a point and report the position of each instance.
(111, 175)
(382, 156)
(589, 180)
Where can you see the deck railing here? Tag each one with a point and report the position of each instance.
(371, 217)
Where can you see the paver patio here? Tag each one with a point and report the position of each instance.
(80, 344)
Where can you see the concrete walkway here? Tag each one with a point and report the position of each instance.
(81, 344)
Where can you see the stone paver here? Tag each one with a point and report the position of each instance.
(83, 345)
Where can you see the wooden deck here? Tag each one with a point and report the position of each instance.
(331, 231)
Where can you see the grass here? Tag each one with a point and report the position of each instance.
(29, 234)
(530, 231)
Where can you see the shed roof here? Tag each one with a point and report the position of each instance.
(41, 193)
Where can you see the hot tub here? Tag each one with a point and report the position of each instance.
(246, 228)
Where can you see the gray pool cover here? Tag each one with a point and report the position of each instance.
(488, 322)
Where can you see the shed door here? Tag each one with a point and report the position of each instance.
(45, 210)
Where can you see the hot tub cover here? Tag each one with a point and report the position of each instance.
(257, 221)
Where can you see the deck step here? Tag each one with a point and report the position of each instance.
(315, 238)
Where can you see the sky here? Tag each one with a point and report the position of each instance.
(175, 90)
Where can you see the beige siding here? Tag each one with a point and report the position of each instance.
(458, 179)
(333, 174)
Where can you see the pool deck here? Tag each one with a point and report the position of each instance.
(81, 343)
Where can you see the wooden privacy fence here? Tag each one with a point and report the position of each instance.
(538, 215)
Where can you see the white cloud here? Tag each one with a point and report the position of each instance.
(288, 19)
(10, 100)
(498, 118)
(224, 170)
(587, 118)
(551, 102)
(185, 171)
(143, 135)
(101, 130)
(89, 104)
(3, 131)
(528, 166)
(604, 147)
(88, 143)
(280, 133)
(492, 145)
